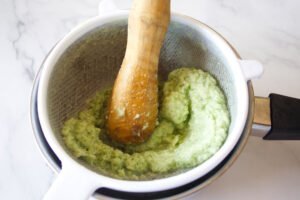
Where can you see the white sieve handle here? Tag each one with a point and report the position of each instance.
(251, 69)
(71, 183)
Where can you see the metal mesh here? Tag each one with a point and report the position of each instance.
(93, 61)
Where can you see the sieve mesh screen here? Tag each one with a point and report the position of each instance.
(92, 63)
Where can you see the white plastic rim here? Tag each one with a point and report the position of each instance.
(97, 180)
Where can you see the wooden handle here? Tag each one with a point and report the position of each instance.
(147, 26)
(134, 104)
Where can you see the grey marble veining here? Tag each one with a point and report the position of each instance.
(267, 30)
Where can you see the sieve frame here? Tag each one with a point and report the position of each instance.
(144, 186)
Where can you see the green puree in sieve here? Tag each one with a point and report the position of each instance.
(192, 126)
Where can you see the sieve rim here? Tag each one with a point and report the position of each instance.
(144, 186)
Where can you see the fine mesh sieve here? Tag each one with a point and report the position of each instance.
(88, 59)
(92, 63)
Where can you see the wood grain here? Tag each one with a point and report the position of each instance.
(133, 107)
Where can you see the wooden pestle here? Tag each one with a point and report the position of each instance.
(133, 108)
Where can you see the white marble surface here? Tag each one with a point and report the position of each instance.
(266, 30)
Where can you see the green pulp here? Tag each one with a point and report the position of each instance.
(192, 126)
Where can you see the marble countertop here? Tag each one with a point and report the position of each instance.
(268, 31)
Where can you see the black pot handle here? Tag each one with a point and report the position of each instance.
(285, 118)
